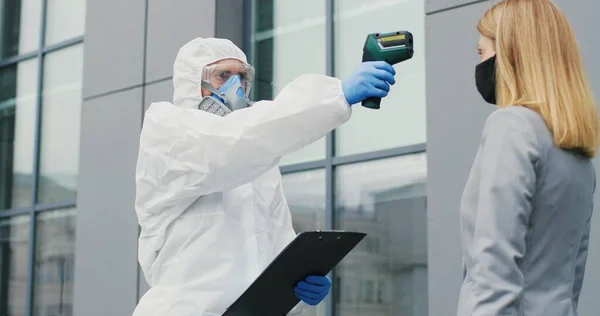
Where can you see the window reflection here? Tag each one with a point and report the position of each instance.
(387, 273)
(55, 263)
(17, 133)
(65, 19)
(59, 157)
(305, 193)
(14, 255)
(19, 26)
(401, 118)
(288, 41)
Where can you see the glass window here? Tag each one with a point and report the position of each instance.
(14, 264)
(19, 26)
(55, 260)
(401, 119)
(61, 112)
(305, 194)
(380, 286)
(65, 19)
(18, 85)
(387, 200)
(280, 53)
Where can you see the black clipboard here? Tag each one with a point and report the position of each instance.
(310, 253)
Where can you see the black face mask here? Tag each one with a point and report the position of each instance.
(485, 79)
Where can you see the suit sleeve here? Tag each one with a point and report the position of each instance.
(509, 152)
(187, 153)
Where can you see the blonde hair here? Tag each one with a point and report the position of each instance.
(538, 65)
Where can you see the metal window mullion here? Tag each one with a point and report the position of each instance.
(37, 208)
(17, 59)
(379, 154)
(45, 50)
(64, 44)
(54, 206)
(330, 138)
(303, 166)
(36, 164)
(14, 212)
(330, 151)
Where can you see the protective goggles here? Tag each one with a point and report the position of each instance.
(218, 74)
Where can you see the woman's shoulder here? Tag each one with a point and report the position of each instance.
(519, 120)
(520, 129)
(516, 115)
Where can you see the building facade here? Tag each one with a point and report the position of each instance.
(41, 68)
(76, 77)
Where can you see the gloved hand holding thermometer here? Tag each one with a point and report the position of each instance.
(381, 51)
(372, 79)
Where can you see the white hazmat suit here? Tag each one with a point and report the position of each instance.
(210, 201)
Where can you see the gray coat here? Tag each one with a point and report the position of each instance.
(525, 221)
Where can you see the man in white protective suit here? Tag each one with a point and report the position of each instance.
(209, 200)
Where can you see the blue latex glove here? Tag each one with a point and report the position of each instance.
(313, 289)
(372, 79)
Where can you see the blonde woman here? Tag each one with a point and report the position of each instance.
(526, 207)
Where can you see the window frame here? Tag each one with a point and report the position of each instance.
(331, 161)
(36, 208)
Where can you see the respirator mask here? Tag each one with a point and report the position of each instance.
(234, 80)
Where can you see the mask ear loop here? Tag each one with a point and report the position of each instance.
(212, 89)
